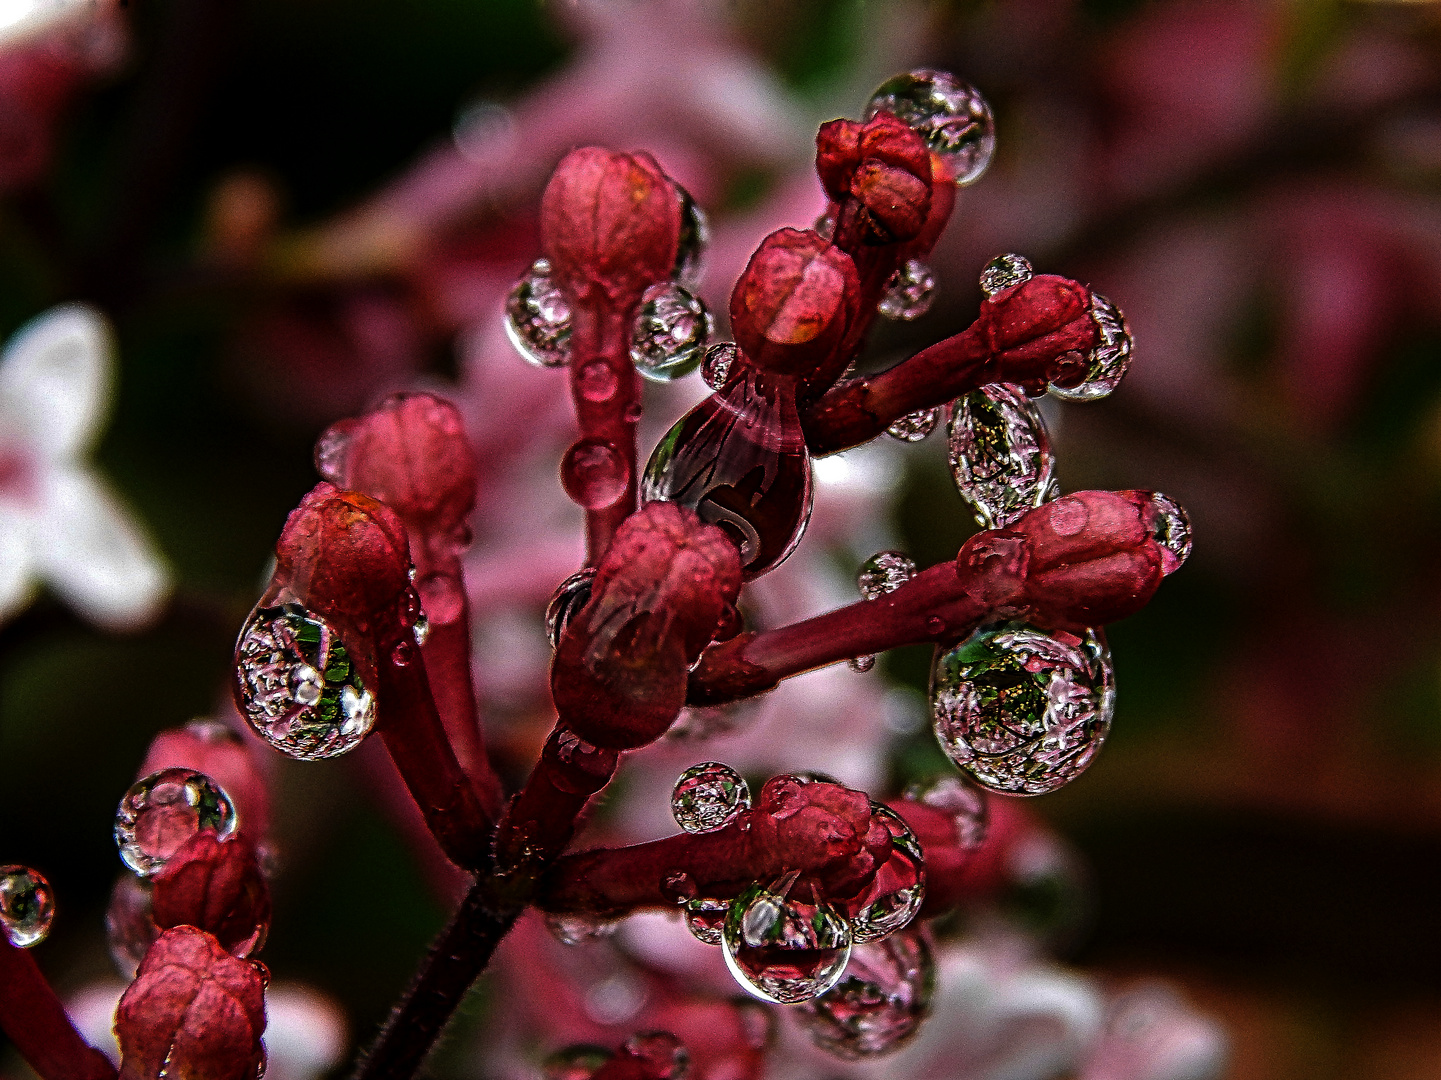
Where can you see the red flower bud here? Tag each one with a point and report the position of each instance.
(610, 224)
(619, 676)
(193, 1011)
(832, 824)
(793, 303)
(209, 747)
(343, 554)
(885, 166)
(215, 885)
(1039, 331)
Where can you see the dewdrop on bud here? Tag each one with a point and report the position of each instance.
(27, 905)
(670, 334)
(1004, 272)
(909, 293)
(1109, 358)
(892, 899)
(1000, 454)
(569, 597)
(951, 115)
(692, 243)
(1172, 531)
(164, 810)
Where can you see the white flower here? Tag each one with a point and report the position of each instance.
(59, 523)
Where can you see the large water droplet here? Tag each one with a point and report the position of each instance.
(537, 318)
(913, 427)
(909, 292)
(1172, 532)
(950, 114)
(594, 474)
(1023, 711)
(709, 796)
(879, 1003)
(1000, 454)
(671, 331)
(705, 918)
(575, 928)
(694, 239)
(130, 926)
(892, 899)
(884, 572)
(570, 596)
(965, 802)
(1004, 272)
(739, 459)
(1108, 360)
(164, 810)
(27, 905)
(783, 945)
(720, 358)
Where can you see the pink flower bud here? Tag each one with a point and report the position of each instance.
(1039, 331)
(885, 166)
(215, 885)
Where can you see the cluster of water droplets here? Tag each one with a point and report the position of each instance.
(909, 293)
(949, 113)
(709, 796)
(884, 572)
(162, 811)
(27, 905)
(300, 686)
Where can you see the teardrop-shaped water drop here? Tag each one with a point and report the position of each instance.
(694, 238)
(783, 945)
(1004, 272)
(884, 572)
(300, 688)
(537, 318)
(130, 927)
(1108, 361)
(165, 809)
(421, 630)
(1020, 710)
(594, 474)
(739, 459)
(1172, 531)
(965, 802)
(879, 1003)
(705, 918)
(27, 905)
(1000, 454)
(719, 360)
(575, 928)
(709, 796)
(913, 427)
(570, 596)
(949, 113)
(670, 334)
(909, 293)
(894, 896)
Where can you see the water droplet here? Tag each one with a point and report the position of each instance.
(597, 381)
(27, 905)
(679, 887)
(884, 572)
(577, 1062)
(1107, 363)
(129, 925)
(1004, 272)
(569, 597)
(664, 1056)
(402, 654)
(739, 459)
(694, 239)
(576, 928)
(705, 918)
(783, 945)
(913, 427)
(671, 331)
(1023, 711)
(879, 1003)
(825, 226)
(331, 451)
(709, 796)
(1000, 454)
(951, 115)
(164, 810)
(299, 686)
(421, 629)
(909, 292)
(537, 318)
(862, 664)
(1172, 531)
(594, 474)
(965, 802)
(715, 369)
(892, 899)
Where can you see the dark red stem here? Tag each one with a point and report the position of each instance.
(35, 1021)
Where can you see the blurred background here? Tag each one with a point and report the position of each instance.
(288, 208)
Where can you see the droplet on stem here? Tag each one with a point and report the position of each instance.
(709, 796)
(785, 946)
(27, 905)
(1000, 454)
(594, 474)
(1004, 272)
(950, 114)
(719, 359)
(880, 1002)
(909, 293)
(569, 597)
(913, 427)
(671, 331)
(1108, 360)
(165, 809)
(537, 318)
(884, 572)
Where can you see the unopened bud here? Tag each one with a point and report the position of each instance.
(793, 302)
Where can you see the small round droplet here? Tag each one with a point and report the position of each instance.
(880, 1002)
(1108, 361)
(597, 381)
(569, 597)
(164, 810)
(709, 796)
(299, 686)
(671, 331)
(331, 452)
(594, 474)
(715, 369)
(965, 802)
(1020, 710)
(130, 926)
(1172, 530)
(884, 572)
(421, 630)
(664, 1056)
(537, 318)
(1004, 272)
(951, 115)
(574, 928)
(913, 427)
(862, 664)
(578, 1062)
(825, 226)
(1000, 454)
(694, 239)
(784, 947)
(909, 293)
(894, 896)
(705, 918)
(27, 905)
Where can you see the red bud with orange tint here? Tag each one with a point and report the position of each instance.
(885, 167)
(794, 301)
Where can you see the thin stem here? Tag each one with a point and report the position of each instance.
(35, 1021)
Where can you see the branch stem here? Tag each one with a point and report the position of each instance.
(35, 1021)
